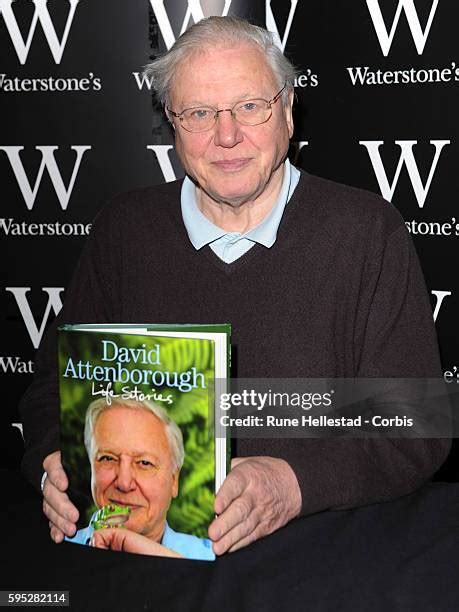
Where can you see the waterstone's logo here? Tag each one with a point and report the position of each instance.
(15, 364)
(194, 12)
(54, 304)
(367, 75)
(29, 190)
(407, 159)
(419, 35)
(22, 43)
(41, 14)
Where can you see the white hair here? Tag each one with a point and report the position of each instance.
(217, 32)
(173, 432)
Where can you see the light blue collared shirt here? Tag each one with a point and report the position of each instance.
(229, 246)
(189, 546)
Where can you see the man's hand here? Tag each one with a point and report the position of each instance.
(129, 541)
(60, 511)
(259, 495)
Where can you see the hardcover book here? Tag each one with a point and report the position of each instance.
(139, 438)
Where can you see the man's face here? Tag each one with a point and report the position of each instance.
(133, 466)
(231, 163)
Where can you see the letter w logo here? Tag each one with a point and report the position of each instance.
(41, 14)
(385, 38)
(406, 157)
(54, 303)
(48, 161)
(194, 10)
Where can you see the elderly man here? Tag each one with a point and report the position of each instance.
(317, 280)
(136, 453)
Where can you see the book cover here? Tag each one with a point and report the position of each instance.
(138, 435)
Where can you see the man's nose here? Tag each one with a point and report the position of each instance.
(125, 480)
(227, 130)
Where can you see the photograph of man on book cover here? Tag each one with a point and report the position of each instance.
(136, 452)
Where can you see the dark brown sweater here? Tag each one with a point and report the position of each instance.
(340, 294)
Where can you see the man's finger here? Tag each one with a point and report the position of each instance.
(60, 503)
(56, 534)
(66, 527)
(55, 472)
(238, 512)
(233, 486)
(240, 532)
(99, 541)
(59, 479)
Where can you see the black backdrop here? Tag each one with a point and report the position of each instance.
(375, 108)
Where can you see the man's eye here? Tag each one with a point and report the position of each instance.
(249, 107)
(105, 459)
(144, 463)
(200, 113)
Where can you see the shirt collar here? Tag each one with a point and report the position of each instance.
(201, 231)
(167, 535)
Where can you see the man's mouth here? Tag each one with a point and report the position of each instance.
(232, 165)
(125, 504)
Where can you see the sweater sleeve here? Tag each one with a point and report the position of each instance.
(90, 297)
(395, 338)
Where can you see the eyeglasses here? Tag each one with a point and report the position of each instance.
(245, 112)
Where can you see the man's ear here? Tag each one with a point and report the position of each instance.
(175, 483)
(169, 117)
(289, 112)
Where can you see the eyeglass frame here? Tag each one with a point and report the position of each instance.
(224, 110)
